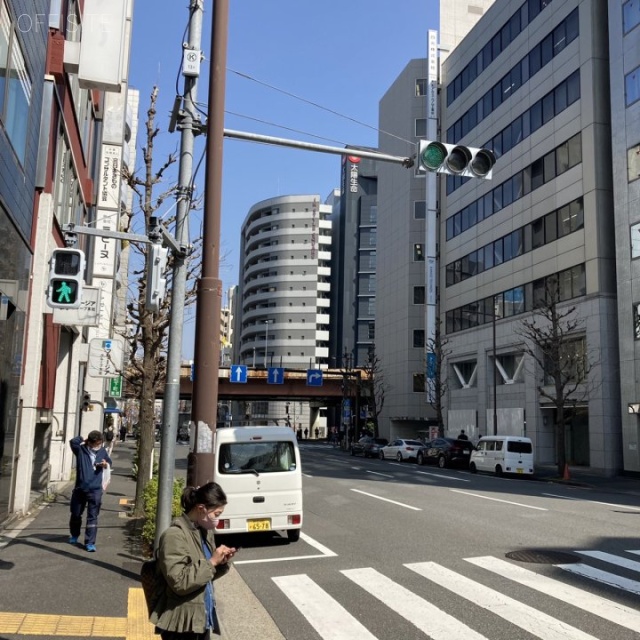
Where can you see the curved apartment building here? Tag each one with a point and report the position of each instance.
(284, 291)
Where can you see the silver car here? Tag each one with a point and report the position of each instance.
(401, 450)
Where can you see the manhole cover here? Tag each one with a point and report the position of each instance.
(539, 556)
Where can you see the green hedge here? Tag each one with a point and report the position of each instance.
(150, 498)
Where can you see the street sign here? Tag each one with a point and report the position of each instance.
(106, 356)
(314, 377)
(275, 375)
(115, 387)
(238, 373)
(84, 316)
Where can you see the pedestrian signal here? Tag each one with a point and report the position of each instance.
(456, 160)
(66, 277)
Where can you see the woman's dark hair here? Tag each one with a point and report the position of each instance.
(210, 495)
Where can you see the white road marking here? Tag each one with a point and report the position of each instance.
(325, 614)
(384, 475)
(517, 504)
(606, 504)
(434, 622)
(307, 475)
(441, 476)
(612, 559)
(611, 579)
(531, 620)
(400, 504)
(320, 547)
(601, 607)
(325, 552)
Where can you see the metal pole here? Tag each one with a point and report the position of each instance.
(187, 119)
(495, 371)
(201, 462)
(266, 341)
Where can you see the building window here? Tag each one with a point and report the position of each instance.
(15, 89)
(372, 331)
(418, 338)
(418, 382)
(421, 87)
(418, 253)
(418, 295)
(632, 86)
(630, 15)
(421, 127)
(633, 161)
(636, 321)
(419, 210)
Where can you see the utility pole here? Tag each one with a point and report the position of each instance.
(189, 124)
(209, 299)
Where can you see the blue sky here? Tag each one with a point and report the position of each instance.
(341, 54)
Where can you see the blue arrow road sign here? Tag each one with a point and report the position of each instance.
(275, 375)
(238, 373)
(314, 377)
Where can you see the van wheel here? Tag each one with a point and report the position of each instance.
(293, 535)
(498, 470)
(472, 467)
(399, 457)
(442, 462)
(420, 459)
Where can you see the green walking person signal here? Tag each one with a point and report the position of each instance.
(66, 277)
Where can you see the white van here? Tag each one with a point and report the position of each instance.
(503, 454)
(259, 470)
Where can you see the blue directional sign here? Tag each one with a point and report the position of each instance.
(275, 375)
(238, 373)
(314, 377)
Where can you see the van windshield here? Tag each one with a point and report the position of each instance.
(256, 457)
(519, 447)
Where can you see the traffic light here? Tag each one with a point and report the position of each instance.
(86, 401)
(66, 277)
(455, 159)
(156, 281)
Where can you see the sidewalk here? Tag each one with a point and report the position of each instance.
(50, 588)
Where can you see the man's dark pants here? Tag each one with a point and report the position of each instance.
(92, 500)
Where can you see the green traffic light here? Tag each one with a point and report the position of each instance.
(64, 291)
(433, 155)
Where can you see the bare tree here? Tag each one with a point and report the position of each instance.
(147, 336)
(373, 388)
(437, 385)
(554, 338)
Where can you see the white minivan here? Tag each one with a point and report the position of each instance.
(259, 470)
(503, 454)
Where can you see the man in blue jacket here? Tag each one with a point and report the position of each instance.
(91, 459)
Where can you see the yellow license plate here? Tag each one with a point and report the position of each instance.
(520, 470)
(259, 525)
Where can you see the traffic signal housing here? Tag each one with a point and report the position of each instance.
(455, 159)
(156, 280)
(86, 401)
(66, 277)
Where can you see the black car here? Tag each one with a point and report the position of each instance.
(446, 452)
(368, 446)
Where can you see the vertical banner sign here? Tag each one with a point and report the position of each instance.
(314, 227)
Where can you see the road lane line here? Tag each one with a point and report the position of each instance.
(320, 547)
(400, 504)
(441, 476)
(580, 598)
(432, 621)
(606, 504)
(325, 552)
(612, 559)
(377, 473)
(533, 621)
(325, 614)
(517, 504)
(611, 579)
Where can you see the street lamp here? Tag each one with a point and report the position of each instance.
(495, 370)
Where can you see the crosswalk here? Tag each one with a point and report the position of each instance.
(325, 607)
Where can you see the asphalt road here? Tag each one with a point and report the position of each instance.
(396, 551)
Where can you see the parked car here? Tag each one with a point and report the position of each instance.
(446, 452)
(401, 450)
(503, 454)
(368, 446)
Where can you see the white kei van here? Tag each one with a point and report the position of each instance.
(259, 470)
(503, 454)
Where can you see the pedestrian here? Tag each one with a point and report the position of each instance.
(123, 432)
(462, 435)
(299, 434)
(109, 437)
(91, 460)
(317, 432)
(189, 562)
(306, 433)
